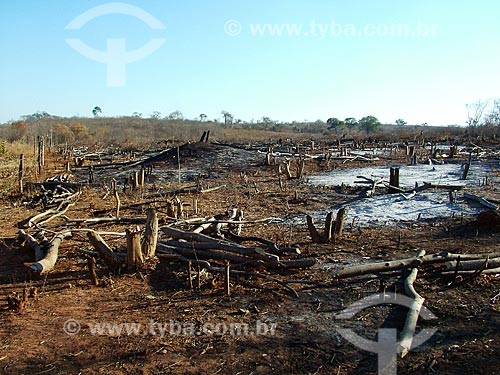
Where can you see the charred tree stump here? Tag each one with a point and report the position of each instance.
(91, 175)
(327, 236)
(453, 151)
(93, 276)
(40, 154)
(393, 180)
(467, 167)
(316, 238)
(339, 223)
(134, 251)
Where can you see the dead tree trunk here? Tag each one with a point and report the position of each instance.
(150, 234)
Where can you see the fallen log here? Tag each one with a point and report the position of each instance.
(179, 248)
(105, 220)
(374, 184)
(252, 252)
(472, 264)
(408, 331)
(205, 251)
(378, 267)
(487, 271)
(484, 202)
(49, 185)
(202, 241)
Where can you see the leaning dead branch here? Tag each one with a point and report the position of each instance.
(112, 260)
(52, 213)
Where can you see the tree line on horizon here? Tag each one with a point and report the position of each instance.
(104, 129)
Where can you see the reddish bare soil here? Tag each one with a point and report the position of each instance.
(305, 341)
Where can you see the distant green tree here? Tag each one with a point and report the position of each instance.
(156, 115)
(369, 124)
(334, 123)
(203, 117)
(96, 111)
(351, 122)
(401, 122)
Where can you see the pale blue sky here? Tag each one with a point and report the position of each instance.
(202, 69)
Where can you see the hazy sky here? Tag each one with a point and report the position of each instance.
(289, 60)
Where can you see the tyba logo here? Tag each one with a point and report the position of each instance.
(116, 57)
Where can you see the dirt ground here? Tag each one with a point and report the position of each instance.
(62, 329)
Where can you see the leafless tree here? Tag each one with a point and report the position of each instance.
(475, 112)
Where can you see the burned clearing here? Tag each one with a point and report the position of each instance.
(210, 257)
